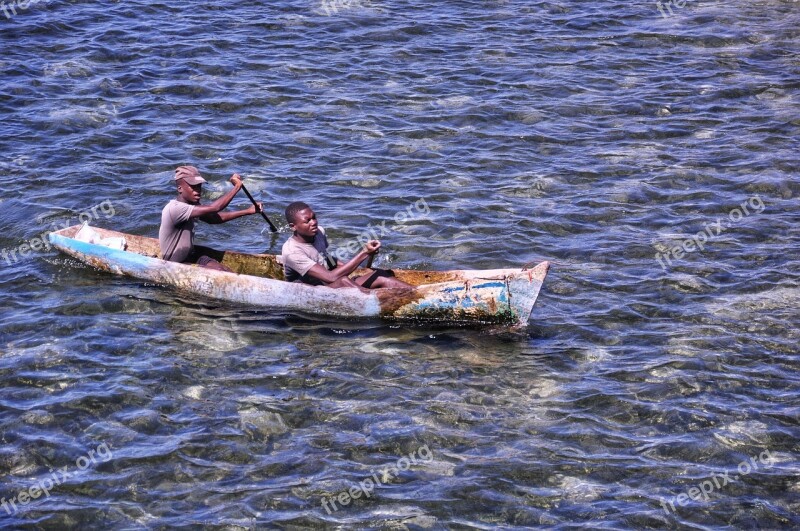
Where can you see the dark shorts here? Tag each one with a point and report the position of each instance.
(208, 262)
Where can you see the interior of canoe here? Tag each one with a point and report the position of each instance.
(259, 265)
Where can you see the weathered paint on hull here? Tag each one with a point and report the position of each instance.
(503, 296)
(257, 291)
(506, 299)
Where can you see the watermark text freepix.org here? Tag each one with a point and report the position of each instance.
(417, 210)
(680, 4)
(711, 230)
(40, 242)
(56, 478)
(22, 4)
(718, 480)
(333, 6)
(387, 473)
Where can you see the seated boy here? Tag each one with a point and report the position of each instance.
(304, 256)
(176, 235)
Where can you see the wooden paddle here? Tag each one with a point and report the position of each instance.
(250, 197)
(331, 262)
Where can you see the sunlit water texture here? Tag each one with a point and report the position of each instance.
(602, 136)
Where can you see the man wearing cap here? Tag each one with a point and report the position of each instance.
(176, 235)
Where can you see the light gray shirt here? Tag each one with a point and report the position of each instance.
(176, 235)
(299, 257)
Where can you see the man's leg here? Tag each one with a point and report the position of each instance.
(345, 282)
(210, 263)
(381, 278)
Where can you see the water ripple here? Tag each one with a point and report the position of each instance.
(601, 137)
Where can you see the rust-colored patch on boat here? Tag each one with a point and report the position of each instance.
(94, 262)
(416, 278)
(392, 299)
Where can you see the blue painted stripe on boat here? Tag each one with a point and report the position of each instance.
(107, 254)
(453, 290)
(495, 284)
(477, 286)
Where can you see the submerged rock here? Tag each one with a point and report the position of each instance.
(263, 423)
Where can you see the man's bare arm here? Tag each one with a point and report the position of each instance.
(221, 217)
(328, 277)
(221, 203)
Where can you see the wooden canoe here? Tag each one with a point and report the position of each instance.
(495, 296)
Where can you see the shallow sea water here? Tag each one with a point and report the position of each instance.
(592, 134)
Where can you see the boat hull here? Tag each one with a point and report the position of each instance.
(500, 296)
